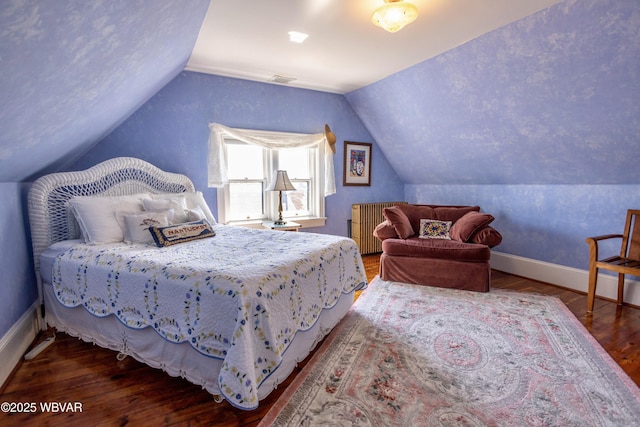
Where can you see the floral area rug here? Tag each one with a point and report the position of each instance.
(408, 355)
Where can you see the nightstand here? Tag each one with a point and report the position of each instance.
(288, 226)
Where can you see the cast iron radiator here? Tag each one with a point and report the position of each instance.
(364, 219)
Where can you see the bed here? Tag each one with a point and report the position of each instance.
(233, 312)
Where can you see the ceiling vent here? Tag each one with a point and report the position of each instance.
(281, 79)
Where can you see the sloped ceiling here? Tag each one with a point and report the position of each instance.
(550, 99)
(73, 70)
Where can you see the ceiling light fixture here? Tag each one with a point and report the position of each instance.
(285, 80)
(297, 37)
(394, 15)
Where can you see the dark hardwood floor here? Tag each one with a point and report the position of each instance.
(118, 393)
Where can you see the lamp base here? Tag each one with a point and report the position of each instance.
(279, 221)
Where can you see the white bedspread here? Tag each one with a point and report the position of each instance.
(240, 296)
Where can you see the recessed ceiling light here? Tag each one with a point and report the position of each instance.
(297, 37)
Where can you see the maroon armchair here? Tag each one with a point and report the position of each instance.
(434, 245)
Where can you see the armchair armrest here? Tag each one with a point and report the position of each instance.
(593, 246)
(603, 237)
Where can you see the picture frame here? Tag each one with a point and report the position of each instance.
(357, 163)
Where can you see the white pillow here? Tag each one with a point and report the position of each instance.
(195, 214)
(191, 200)
(165, 202)
(196, 199)
(137, 225)
(97, 218)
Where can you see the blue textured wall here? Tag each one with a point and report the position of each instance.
(543, 222)
(538, 122)
(171, 131)
(17, 278)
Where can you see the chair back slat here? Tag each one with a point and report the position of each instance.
(631, 240)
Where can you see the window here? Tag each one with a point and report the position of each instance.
(244, 201)
(247, 182)
(298, 163)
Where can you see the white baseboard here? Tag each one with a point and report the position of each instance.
(16, 341)
(567, 277)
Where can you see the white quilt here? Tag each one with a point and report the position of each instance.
(240, 296)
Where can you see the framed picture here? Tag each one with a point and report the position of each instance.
(357, 163)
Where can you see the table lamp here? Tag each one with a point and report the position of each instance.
(280, 182)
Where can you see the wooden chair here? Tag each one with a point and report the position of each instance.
(628, 262)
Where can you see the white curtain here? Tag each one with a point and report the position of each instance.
(217, 161)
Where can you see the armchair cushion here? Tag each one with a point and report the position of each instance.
(385, 230)
(452, 250)
(487, 236)
(466, 227)
(400, 222)
(443, 213)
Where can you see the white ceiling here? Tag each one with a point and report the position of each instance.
(249, 39)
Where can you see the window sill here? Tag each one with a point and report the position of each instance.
(305, 222)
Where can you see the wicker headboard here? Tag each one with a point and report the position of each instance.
(49, 215)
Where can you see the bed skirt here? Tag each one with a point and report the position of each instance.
(181, 360)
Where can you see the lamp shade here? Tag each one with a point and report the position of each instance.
(394, 15)
(280, 182)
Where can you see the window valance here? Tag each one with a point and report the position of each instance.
(217, 165)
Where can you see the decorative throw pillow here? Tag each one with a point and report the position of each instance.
(385, 230)
(487, 236)
(179, 233)
(400, 221)
(137, 225)
(451, 213)
(434, 229)
(415, 213)
(466, 227)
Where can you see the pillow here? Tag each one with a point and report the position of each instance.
(464, 229)
(195, 214)
(415, 213)
(163, 199)
(434, 229)
(137, 225)
(399, 220)
(189, 200)
(101, 217)
(452, 213)
(175, 203)
(440, 212)
(196, 200)
(385, 230)
(487, 236)
(179, 233)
